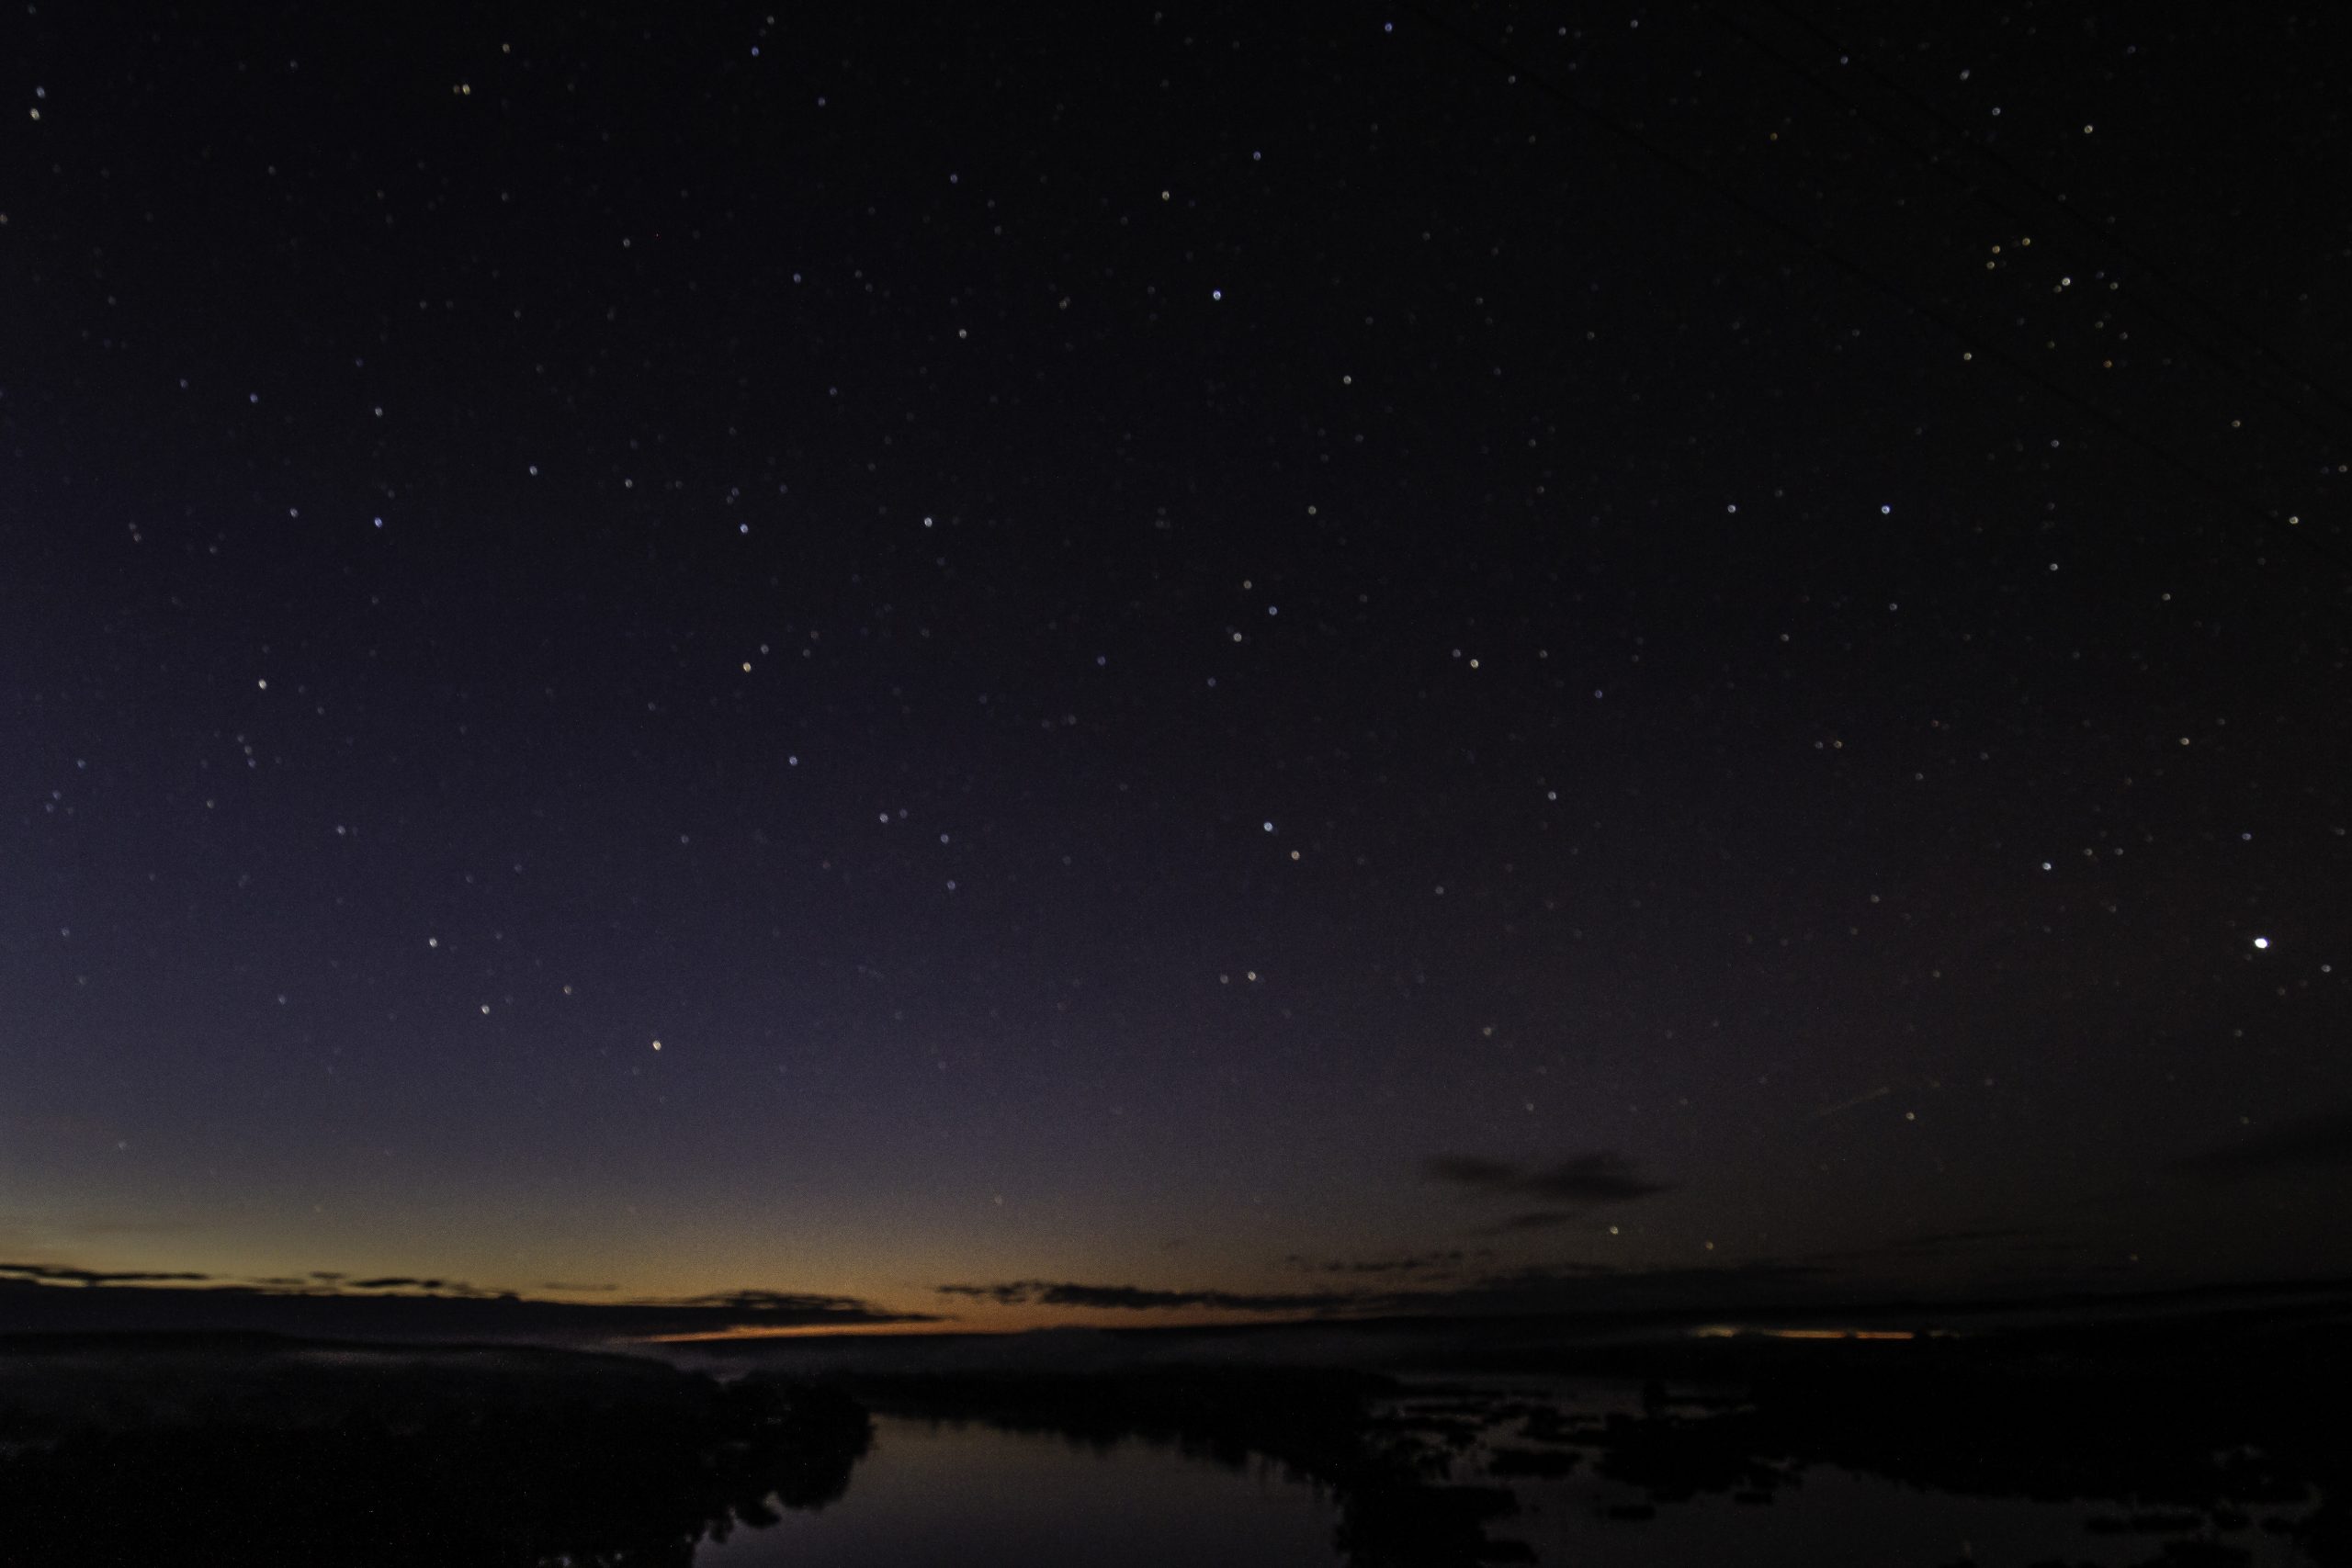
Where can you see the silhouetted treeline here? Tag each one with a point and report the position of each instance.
(257, 1454)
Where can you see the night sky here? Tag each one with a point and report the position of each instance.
(1159, 665)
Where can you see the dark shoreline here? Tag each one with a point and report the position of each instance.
(262, 1449)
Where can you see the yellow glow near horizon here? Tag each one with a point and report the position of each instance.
(1733, 1331)
(808, 1331)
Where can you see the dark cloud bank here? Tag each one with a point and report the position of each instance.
(39, 1298)
(1579, 1182)
(2312, 1142)
(1556, 1289)
(1417, 1263)
(1044, 1293)
(1603, 1177)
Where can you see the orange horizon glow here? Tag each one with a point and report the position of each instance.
(1006, 1321)
(811, 1330)
(1733, 1331)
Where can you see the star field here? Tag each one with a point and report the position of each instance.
(1238, 659)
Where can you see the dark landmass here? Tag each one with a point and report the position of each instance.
(251, 1449)
(2179, 1426)
(1631, 1341)
(2195, 1411)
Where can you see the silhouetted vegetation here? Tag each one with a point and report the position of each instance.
(256, 1453)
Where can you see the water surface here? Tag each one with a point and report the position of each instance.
(936, 1494)
(951, 1493)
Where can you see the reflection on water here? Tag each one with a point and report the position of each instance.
(975, 1496)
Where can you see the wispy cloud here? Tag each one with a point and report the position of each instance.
(1974, 1241)
(1441, 1262)
(1571, 1288)
(1531, 1220)
(781, 1304)
(2311, 1143)
(41, 1296)
(1556, 1288)
(1862, 1098)
(63, 1276)
(1946, 1241)
(1601, 1177)
(405, 1282)
(1133, 1298)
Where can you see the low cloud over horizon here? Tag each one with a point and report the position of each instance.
(1539, 1288)
(1133, 1298)
(59, 1275)
(47, 1298)
(1444, 1262)
(2308, 1143)
(1602, 1175)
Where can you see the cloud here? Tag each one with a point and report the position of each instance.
(1418, 1263)
(1601, 1177)
(2311, 1143)
(89, 1276)
(783, 1303)
(1942, 1241)
(1571, 1288)
(1910, 1250)
(1561, 1288)
(1470, 1170)
(1532, 1220)
(326, 1283)
(43, 1297)
(1133, 1298)
(1880, 1092)
(1010, 1296)
(126, 1226)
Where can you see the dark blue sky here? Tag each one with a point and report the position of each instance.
(1180, 651)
